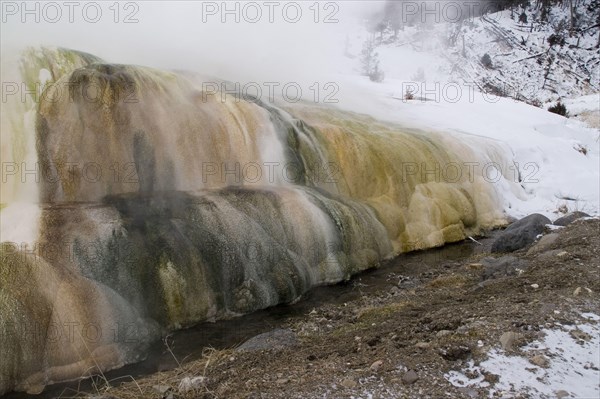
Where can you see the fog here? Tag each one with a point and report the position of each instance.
(269, 40)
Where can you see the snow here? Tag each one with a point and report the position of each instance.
(589, 103)
(543, 145)
(557, 157)
(573, 366)
(19, 224)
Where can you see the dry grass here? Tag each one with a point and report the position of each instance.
(449, 281)
(374, 314)
(127, 387)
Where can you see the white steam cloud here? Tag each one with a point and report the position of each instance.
(271, 41)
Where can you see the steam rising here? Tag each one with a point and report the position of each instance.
(182, 35)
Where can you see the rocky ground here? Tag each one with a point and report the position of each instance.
(426, 334)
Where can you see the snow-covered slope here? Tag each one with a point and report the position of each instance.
(548, 149)
(557, 158)
(523, 63)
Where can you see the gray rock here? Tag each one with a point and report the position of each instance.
(376, 365)
(276, 339)
(570, 218)
(189, 384)
(410, 377)
(521, 233)
(544, 244)
(349, 383)
(540, 361)
(509, 339)
(423, 345)
(161, 389)
(562, 394)
(502, 267)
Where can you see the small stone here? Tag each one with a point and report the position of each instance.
(35, 389)
(161, 389)
(580, 335)
(540, 361)
(443, 333)
(422, 345)
(535, 286)
(410, 377)
(376, 365)
(491, 378)
(577, 291)
(282, 381)
(455, 352)
(189, 384)
(562, 254)
(349, 383)
(562, 394)
(508, 340)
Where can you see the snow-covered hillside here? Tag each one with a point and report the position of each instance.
(557, 158)
(523, 64)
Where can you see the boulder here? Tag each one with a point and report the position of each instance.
(521, 233)
(570, 218)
